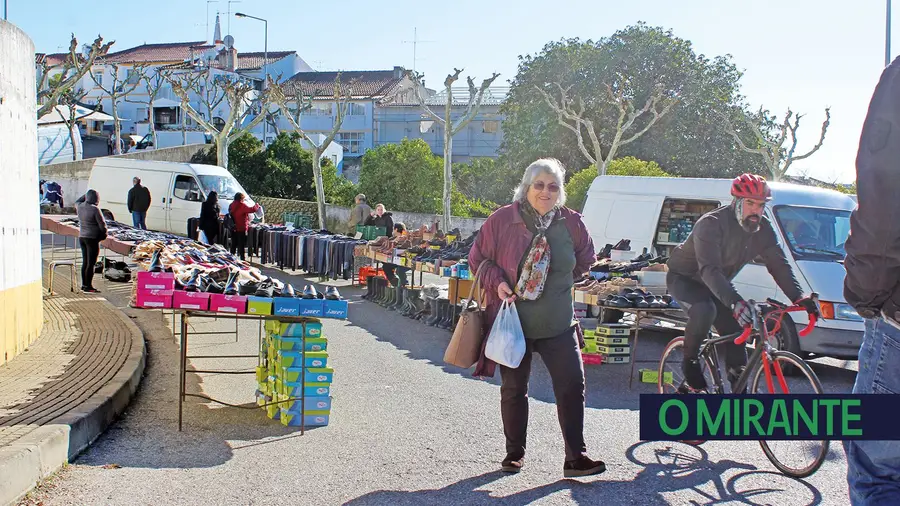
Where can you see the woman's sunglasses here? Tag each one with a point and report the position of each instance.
(539, 186)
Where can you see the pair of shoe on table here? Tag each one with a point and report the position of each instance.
(268, 287)
(638, 298)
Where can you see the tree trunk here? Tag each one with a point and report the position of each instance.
(152, 124)
(117, 128)
(320, 185)
(183, 127)
(222, 151)
(72, 126)
(448, 177)
(601, 169)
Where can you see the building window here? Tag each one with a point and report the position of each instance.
(319, 109)
(356, 110)
(98, 78)
(490, 127)
(131, 76)
(352, 141)
(142, 114)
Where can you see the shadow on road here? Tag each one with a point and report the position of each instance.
(665, 469)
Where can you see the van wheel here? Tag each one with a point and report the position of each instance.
(610, 315)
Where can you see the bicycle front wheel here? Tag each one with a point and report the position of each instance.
(793, 458)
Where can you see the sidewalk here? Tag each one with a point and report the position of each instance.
(63, 392)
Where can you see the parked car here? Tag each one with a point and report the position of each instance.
(812, 225)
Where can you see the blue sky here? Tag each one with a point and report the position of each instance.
(803, 54)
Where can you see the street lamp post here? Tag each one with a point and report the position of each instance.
(265, 66)
(887, 34)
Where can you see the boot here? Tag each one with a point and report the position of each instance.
(231, 287)
(407, 308)
(380, 287)
(447, 322)
(391, 298)
(400, 300)
(369, 287)
(193, 284)
(387, 295)
(435, 313)
(418, 305)
(155, 262)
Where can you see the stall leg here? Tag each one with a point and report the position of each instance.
(637, 330)
(182, 387)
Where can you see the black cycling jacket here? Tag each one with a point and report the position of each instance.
(718, 248)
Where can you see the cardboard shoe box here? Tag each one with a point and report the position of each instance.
(301, 359)
(155, 280)
(259, 305)
(613, 329)
(312, 419)
(297, 389)
(336, 309)
(220, 303)
(314, 308)
(155, 299)
(284, 306)
(198, 301)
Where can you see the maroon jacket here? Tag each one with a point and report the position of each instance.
(503, 241)
(241, 214)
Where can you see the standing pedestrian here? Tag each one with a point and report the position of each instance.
(92, 230)
(381, 219)
(535, 249)
(872, 286)
(138, 203)
(359, 214)
(240, 212)
(209, 217)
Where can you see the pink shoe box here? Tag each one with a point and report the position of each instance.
(154, 299)
(155, 280)
(228, 303)
(198, 301)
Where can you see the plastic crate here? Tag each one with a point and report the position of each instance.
(370, 232)
(300, 220)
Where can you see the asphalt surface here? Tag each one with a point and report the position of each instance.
(405, 429)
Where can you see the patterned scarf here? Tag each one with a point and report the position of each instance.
(537, 262)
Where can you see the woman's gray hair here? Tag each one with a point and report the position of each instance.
(550, 166)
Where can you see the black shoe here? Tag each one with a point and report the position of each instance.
(155, 263)
(248, 288)
(213, 287)
(331, 293)
(90, 290)
(193, 284)
(693, 373)
(309, 292)
(583, 467)
(231, 287)
(266, 289)
(512, 464)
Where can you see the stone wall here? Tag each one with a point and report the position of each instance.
(73, 176)
(21, 304)
(275, 208)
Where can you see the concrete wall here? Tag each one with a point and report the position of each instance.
(21, 305)
(275, 208)
(74, 176)
(337, 217)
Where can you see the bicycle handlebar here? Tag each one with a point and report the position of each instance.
(779, 313)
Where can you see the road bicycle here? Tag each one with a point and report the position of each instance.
(764, 374)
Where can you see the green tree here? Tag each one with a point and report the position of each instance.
(339, 190)
(405, 177)
(580, 183)
(487, 180)
(638, 61)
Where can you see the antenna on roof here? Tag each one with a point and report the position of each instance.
(229, 13)
(415, 42)
(206, 34)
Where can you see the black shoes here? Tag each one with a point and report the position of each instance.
(693, 373)
(309, 292)
(266, 288)
(155, 263)
(583, 467)
(231, 287)
(193, 284)
(331, 293)
(512, 464)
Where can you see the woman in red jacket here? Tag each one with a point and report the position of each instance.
(535, 250)
(240, 212)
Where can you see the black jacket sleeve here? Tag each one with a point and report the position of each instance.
(873, 248)
(776, 262)
(370, 220)
(707, 237)
(131, 200)
(389, 225)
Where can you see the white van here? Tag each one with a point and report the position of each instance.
(176, 189)
(812, 225)
(55, 144)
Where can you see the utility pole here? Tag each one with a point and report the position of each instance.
(229, 14)
(415, 42)
(887, 34)
(206, 35)
(5, 11)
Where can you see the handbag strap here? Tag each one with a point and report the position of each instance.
(476, 286)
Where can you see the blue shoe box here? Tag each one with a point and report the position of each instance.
(311, 307)
(312, 329)
(310, 403)
(287, 343)
(298, 390)
(311, 374)
(296, 358)
(336, 309)
(312, 419)
(286, 307)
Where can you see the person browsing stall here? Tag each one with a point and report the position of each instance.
(240, 212)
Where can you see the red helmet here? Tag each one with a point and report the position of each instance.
(750, 186)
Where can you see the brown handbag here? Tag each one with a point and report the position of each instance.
(468, 336)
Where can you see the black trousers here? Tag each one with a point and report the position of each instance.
(212, 235)
(398, 279)
(90, 250)
(238, 243)
(705, 310)
(562, 356)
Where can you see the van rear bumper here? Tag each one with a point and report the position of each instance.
(837, 343)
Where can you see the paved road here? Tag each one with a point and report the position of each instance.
(405, 429)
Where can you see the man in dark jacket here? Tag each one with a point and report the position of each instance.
(701, 269)
(138, 203)
(872, 286)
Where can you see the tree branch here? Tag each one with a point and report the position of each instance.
(818, 145)
(53, 93)
(564, 113)
(418, 88)
(476, 96)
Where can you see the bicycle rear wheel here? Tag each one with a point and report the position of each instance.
(670, 377)
(793, 458)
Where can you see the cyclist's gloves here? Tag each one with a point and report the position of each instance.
(742, 313)
(809, 305)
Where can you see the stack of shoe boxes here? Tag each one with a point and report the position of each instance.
(154, 290)
(294, 377)
(607, 344)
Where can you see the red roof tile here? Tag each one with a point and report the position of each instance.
(367, 83)
(168, 52)
(253, 61)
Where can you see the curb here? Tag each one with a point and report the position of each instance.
(43, 451)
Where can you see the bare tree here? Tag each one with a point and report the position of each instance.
(279, 96)
(154, 80)
(72, 69)
(236, 91)
(70, 99)
(777, 157)
(572, 114)
(451, 128)
(116, 90)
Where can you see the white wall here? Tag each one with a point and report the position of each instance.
(21, 306)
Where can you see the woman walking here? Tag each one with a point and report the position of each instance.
(209, 217)
(92, 230)
(536, 248)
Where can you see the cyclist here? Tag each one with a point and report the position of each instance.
(721, 243)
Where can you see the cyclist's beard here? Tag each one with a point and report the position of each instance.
(750, 223)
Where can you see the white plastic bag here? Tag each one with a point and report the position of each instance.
(203, 238)
(506, 342)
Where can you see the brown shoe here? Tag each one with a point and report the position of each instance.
(512, 464)
(583, 467)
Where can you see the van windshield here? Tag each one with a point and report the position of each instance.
(815, 233)
(225, 186)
